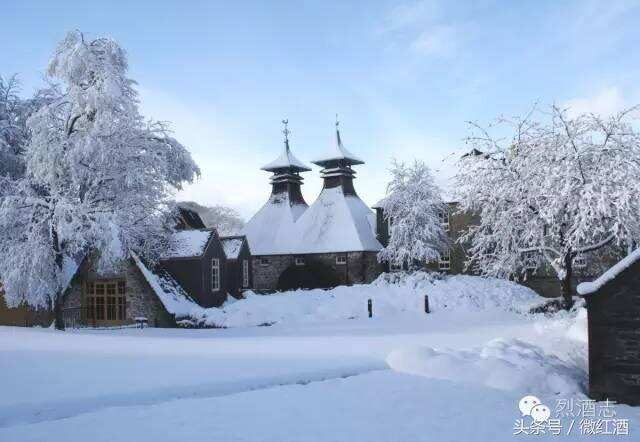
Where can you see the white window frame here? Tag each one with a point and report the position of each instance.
(444, 263)
(299, 261)
(245, 273)
(215, 274)
(341, 260)
(580, 262)
(444, 220)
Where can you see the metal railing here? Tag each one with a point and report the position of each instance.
(73, 317)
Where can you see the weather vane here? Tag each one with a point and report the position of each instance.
(286, 130)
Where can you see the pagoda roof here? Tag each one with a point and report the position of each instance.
(337, 152)
(286, 160)
(269, 231)
(336, 222)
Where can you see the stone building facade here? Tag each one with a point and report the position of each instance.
(193, 273)
(140, 300)
(316, 270)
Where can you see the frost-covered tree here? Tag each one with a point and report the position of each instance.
(413, 208)
(98, 177)
(14, 112)
(554, 188)
(225, 220)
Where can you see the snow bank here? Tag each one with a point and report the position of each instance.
(391, 295)
(505, 364)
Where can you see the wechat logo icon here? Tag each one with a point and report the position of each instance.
(532, 406)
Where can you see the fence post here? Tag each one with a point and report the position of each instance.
(426, 304)
(370, 307)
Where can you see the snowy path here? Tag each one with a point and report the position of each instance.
(375, 407)
(56, 375)
(326, 381)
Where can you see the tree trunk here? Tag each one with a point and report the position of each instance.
(567, 289)
(57, 310)
(57, 300)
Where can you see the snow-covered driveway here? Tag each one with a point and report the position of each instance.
(325, 381)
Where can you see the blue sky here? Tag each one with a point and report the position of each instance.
(404, 77)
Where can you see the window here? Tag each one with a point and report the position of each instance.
(579, 262)
(444, 219)
(300, 261)
(341, 259)
(530, 260)
(215, 274)
(264, 262)
(245, 273)
(99, 308)
(111, 308)
(106, 301)
(444, 263)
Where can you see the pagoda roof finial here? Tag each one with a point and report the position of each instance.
(286, 133)
(338, 152)
(286, 161)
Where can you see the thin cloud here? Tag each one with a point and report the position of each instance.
(605, 103)
(410, 14)
(441, 40)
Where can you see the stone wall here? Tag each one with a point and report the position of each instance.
(265, 277)
(141, 300)
(361, 267)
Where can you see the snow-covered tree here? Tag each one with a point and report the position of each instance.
(98, 177)
(225, 220)
(553, 189)
(13, 127)
(413, 208)
(14, 112)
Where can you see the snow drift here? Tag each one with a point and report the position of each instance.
(505, 364)
(391, 294)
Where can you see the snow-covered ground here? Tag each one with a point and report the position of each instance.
(456, 374)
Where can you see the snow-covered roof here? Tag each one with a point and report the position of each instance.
(188, 243)
(269, 231)
(587, 288)
(337, 152)
(336, 222)
(286, 160)
(232, 246)
(173, 297)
